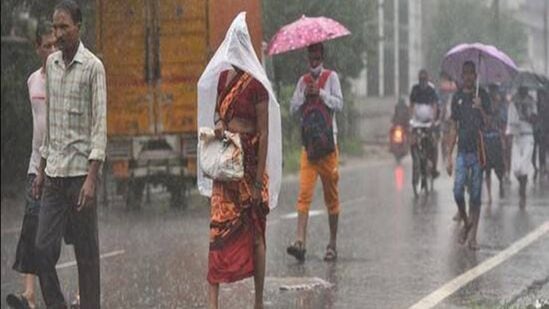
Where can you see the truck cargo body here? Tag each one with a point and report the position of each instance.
(154, 52)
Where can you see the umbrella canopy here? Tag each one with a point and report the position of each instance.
(530, 80)
(304, 32)
(492, 65)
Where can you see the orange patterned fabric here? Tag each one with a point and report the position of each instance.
(235, 219)
(240, 85)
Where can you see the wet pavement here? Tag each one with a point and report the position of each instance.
(394, 250)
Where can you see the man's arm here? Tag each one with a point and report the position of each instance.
(299, 97)
(452, 134)
(452, 138)
(38, 182)
(98, 135)
(334, 97)
(98, 114)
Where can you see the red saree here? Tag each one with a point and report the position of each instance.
(234, 219)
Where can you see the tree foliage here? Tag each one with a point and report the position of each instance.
(468, 21)
(345, 55)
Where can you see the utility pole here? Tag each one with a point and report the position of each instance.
(396, 27)
(414, 40)
(381, 46)
(545, 36)
(496, 21)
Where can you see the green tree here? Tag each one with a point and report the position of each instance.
(345, 55)
(467, 21)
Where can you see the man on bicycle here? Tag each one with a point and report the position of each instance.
(424, 106)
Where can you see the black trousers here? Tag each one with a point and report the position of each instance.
(59, 218)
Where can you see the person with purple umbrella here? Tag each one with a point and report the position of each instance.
(470, 107)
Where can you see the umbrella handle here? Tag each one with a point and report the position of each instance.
(478, 82)
(478, 75)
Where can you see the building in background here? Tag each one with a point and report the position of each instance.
(387, 75)
(534, 15)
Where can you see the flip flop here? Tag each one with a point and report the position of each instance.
(297, 250)
(17, 301)
(331, 254)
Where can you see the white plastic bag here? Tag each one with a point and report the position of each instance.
(221, 159)
(424, 113)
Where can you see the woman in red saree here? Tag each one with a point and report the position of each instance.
(235, 94)
(239, 208)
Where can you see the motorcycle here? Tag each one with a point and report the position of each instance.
(398, 142)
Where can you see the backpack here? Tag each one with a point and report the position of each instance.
(317, 132)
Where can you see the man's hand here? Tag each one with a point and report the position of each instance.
(38, 185)
(450, 166)
(312, 90)
(87, 193)
(477, 103)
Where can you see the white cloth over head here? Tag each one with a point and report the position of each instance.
(237, 50)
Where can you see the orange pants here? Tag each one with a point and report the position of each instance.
(327, 169)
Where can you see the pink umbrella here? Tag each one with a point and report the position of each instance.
(304, 32)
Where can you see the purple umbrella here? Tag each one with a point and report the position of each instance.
(493, 65)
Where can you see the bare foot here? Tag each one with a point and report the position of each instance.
(472, 245)
(464, 233)
(456, 217)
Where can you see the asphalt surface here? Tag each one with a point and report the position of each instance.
(394, 250)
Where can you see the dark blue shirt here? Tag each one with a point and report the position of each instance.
(469, 119)
(427, 95)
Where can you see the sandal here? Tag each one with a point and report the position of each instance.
(297, 250)
(17, 301)
(331, 254)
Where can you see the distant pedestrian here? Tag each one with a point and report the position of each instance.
(541, 133)
(469, 116)
(72, 154)
(25, 255)
(494, 135)
(316, 99)
(520, 125)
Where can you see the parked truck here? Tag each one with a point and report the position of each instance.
(154, 52)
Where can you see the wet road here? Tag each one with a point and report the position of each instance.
(394, 250)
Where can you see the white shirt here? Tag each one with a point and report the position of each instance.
(37, 95)
(517, 123)
(331, 96)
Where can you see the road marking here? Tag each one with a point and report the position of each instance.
(102, 256)
(312, 213)
(11, 231)
(457, 283)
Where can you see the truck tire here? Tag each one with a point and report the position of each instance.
(134, 194)
(178, 193)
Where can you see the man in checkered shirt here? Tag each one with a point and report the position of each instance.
(72, 154)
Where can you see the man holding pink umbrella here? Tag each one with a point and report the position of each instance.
(317, 98)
